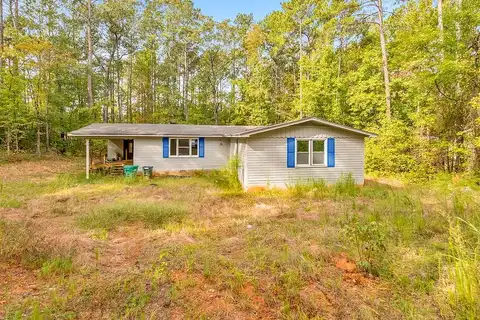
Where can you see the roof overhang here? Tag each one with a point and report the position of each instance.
(86, 132)
(249, 133)
(127, 136)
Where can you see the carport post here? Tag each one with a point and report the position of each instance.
(87, 158)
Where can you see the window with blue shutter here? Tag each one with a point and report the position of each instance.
(290, 152)
(201, 147)
(331, 152)
(165, 147)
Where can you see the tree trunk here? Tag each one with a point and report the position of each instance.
(130, 75)
(38, 138)
(440, 19)
(458, 38)
(90, 54)
(388, 112)
(8, 141)
(119, 92)
(301, 71)
(185, 83)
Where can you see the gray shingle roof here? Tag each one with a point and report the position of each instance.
(106, 130)
(157, 130)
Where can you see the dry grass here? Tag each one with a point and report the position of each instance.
(175, 248)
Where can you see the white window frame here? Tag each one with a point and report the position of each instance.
(310, 153)
(177, 155)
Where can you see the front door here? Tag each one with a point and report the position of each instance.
(128, 149)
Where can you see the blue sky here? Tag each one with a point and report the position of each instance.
(228, 9)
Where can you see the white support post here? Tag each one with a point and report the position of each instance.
(87, 158)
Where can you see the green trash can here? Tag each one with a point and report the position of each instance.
(147, 171)
(130, 171)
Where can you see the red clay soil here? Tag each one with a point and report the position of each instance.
(16, 283)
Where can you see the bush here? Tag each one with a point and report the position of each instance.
(227, 178)
(368, 238)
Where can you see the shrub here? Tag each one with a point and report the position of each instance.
(368, 238)
(227, 178)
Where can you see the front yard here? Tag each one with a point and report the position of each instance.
(175, 248)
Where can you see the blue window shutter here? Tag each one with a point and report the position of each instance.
(331, 152)
(165, 147)
(290, 152)
(201, 147)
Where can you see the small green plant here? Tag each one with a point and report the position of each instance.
(345, 186)
(368, 239)
(57, 266)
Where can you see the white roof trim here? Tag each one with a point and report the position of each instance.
(248, 133)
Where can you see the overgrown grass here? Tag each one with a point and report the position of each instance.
(152, 215)
(461, 278)
(245, 252)
(20, 242)
(318, 189)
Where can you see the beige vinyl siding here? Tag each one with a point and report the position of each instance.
(149, 152)
(114, 147)
(266, 156)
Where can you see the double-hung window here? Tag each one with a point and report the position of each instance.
(183, 147)
(310, 152)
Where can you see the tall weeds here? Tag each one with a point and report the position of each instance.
(462, 279)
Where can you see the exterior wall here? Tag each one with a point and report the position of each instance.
(266, 156)
(114, 147)
(237, 148)
(149, 152)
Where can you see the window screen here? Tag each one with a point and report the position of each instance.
(318, 151)
(303, 151)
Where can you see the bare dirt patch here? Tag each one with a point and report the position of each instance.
(16, 283)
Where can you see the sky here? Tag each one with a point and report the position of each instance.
(228, 9)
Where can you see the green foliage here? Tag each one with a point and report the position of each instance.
(166, 62)
(57, 266)
(391, 152)
(316, 188)
(462, 276)
(227, 178)
(345, 186)
(368, 237)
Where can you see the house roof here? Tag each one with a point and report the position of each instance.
(258, 130)
(156, 130)
(109, 130)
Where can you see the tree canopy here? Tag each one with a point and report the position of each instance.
(409, 72)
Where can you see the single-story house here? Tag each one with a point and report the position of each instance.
(275, 155)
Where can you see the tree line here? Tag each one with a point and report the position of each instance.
(408, 71)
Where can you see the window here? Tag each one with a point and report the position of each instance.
(310, 152)
(183, 147)
(318, 152)
(303, 152)
(194, 147)
(173, 147)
